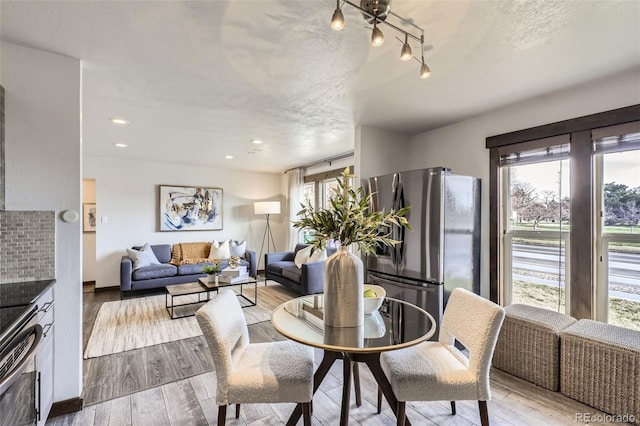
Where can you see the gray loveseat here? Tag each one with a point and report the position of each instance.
(157, 276)
(309, 279)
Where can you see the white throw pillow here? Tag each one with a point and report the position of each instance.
(305, 256)
(318, 255)
(143, 257)
(220, 251)
(302, 256)
(238, 248)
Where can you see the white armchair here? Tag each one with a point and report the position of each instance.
(436, 371)
(253, 373)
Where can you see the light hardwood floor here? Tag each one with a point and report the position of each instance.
(169, 385)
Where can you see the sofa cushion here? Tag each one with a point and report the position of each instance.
(143, 256)
(293, 273)
(191, 269)
(277, 267)
(154, 271)
(162, 252)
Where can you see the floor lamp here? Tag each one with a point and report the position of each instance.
(266, 208)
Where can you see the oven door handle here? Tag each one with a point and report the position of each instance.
(17, 370)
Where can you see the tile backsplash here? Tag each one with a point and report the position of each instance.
(27, 245)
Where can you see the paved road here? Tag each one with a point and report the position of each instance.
(624, 268)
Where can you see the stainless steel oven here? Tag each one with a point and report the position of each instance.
(18, 346)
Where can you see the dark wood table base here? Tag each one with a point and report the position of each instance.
(350, 360)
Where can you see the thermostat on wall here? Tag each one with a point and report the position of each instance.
(70, 216)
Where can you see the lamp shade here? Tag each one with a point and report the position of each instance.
(266, 207)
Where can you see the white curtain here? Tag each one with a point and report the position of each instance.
(295, 194)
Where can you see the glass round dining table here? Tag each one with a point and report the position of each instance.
(396, 325)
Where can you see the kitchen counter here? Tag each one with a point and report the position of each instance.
(16, 299)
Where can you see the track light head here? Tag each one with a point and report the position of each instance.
(377, 38)
(405, 53)
(425, 72)
(337, 20)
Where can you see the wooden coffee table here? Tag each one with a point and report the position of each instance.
(175, 292)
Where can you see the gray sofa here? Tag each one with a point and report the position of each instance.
(157, 276)
(309, 279)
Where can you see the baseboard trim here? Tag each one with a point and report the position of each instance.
(88, 283)
(110, 288)
(67, 406)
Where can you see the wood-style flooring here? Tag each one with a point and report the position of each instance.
(172, 384)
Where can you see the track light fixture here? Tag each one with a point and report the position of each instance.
(337, 20)
(377, 38)
(406, 54)
(376, 12)
(425, 72)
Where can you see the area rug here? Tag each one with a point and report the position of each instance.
(137, 323)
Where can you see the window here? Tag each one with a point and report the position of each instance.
(579, 234)
(617, 165)
(318, 190)
(535, 207)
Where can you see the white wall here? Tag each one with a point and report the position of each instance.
(42, 148)
(88, 238)
(379, 152)
(128, 199)
(461, 146)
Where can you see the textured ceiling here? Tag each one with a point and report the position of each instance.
(200, 79)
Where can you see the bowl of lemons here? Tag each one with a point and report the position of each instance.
(373, 297)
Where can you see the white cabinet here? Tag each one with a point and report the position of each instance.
(44, 357)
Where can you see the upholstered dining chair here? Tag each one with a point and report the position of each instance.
(271, 372)
(438, 371)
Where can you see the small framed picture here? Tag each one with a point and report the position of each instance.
(89, 217)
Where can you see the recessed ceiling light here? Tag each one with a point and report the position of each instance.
(256, 141)
(229, 157)
(119, 121)
(121, 145)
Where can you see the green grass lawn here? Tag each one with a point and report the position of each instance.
(622, 312)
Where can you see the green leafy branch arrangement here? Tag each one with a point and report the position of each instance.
(348, 221)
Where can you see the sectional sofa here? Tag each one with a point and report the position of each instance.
(180, 263)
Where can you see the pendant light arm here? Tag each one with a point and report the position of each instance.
(400, 30)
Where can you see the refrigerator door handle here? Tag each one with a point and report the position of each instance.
(404, 283)
(398, 231)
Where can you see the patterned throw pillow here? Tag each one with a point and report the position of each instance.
(238, 248)
(143, 257)
(220, 251)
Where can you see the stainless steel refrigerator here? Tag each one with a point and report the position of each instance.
(443, 250)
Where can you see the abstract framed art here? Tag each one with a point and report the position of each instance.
(89, 217)
(185, 208)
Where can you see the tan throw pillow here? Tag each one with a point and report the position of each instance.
(220, 251)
